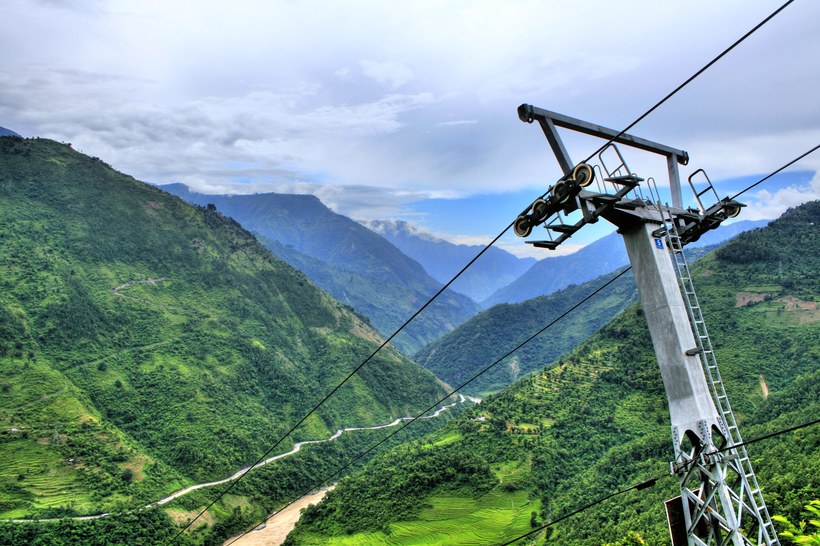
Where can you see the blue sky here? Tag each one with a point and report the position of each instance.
(407, 110)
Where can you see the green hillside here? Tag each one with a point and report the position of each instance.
(459, 355)
(147, 344)
(353, 264)
(595, 421)
(477, 343)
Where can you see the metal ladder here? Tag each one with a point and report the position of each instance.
(736, 450)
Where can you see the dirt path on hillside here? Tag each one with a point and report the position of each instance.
(763, 386)
(278, 526)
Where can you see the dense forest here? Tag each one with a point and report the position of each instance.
(595, 421)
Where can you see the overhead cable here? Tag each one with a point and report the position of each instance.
(691, 78)
(789, 164)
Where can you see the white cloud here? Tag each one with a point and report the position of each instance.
(458, 122)
(764, 205)
(392, 73)
(417, 96)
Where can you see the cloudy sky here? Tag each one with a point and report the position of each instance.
(407, 109)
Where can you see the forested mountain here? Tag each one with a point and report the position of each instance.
(442, 259)
(598, 258)
(477, 343)
(462, 353)
(147, 344)
(347, 260)
(596, 421)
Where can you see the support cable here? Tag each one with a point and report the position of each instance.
(454, 391)
(643, 485)
(650, 482)
(691, 78)
(772, 435)
(469, 264)
(789, 164)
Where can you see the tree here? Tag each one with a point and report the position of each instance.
(632, 539)
(802, 533)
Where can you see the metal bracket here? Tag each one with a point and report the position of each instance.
(550, 120)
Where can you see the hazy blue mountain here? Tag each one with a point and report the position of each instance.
(598, 258)
(551, 274)
(442, 259)
(7, 132)
(347, 260)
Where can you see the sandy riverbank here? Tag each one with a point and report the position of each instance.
(280, 524)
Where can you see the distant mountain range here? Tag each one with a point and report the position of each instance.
(388, 271)
(443, 260)
(598, 258)
(347, 260)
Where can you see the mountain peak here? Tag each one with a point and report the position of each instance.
(8, 132)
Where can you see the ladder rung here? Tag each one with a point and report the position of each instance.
(629, 180)
(563, 228)
(606, 198)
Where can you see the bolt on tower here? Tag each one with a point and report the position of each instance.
(721, 503)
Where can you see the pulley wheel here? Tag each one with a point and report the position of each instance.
(560, 192)
(522, 226)
(583, 175)
(731, 211)
(539, 209)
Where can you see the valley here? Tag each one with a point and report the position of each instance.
(149, 345)
(150, 348)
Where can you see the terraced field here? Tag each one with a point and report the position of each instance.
(41, 477)
(494, 517)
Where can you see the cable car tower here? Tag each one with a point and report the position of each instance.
(721, 503)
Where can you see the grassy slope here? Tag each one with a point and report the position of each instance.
(597, 420)
(122, 394)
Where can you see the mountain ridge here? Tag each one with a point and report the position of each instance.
(442, 259)
(349, 261)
